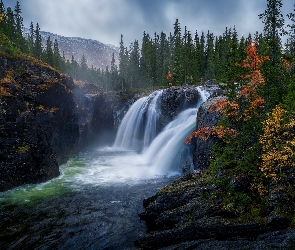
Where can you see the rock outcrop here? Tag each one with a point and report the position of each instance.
(46, 117)
(38, 121)
(187, 215)
(202, 148)
(176, 99)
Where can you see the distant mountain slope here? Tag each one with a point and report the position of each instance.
(97, 54)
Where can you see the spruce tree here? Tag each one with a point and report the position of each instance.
(83, 68)
(114, 73)
(9, 29)
(57, 59)
(123, 62)
(133, 65)
(31, 39)
(177, 55)
(48, 53)
(37, 50)
(273, 69)
(2, 16)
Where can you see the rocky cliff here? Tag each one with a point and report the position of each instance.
(46, 117)
(38, 121)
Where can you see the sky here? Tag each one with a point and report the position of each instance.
(106, 20)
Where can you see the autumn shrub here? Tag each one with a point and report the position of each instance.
(278, 143)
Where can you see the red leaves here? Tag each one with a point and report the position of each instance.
(248, 98)
(205, 132)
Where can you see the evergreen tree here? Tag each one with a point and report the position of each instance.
(57, 59)
(2, 16)
(273, 69)
(9, 28)
(146, 60)
(83, 68)
(114, 73)
(20, 40)
(177, 56)
(48, 53)
(31, 39)
(209, 61)
(163, 59)
(123, 63)
(133, 65)
(290, 46)
(37, 50)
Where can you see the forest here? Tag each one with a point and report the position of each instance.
(257, 136)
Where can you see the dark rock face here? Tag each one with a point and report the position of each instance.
(46, 117)
(38, 122)
(202, 149)
(174, 100)
(181, 216)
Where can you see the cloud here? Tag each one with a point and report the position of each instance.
(106, 20)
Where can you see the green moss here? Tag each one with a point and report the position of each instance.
(23, 149)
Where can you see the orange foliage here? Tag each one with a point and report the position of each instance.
(287, 64)
(233, 109)
(168, 76)
(205, 132)
(225, 107)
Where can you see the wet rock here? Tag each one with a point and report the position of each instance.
(174, 100)
(183, 216)
(38, 123)
(202, 148)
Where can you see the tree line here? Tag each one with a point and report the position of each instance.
(12, 29)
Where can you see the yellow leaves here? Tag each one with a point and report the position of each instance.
(278, 143)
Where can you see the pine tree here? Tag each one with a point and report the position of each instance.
(177, 56)
(20, 40)
(57, 59)
(133, 65)
(48, 53)
(291, 39)
(9, 29)
(163, 59)
(37, 50)
(123, 63)
(274, 69)
(209, 61)
(31, 39)
(2, 16)
(83, 68)
(114, 73)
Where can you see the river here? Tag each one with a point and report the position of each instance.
(94, 203)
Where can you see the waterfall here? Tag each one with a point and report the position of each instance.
(129, 135)
(151, 123)
(162, 152)
(129, 129)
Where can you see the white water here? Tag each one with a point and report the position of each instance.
(115, 165)
(162, 153)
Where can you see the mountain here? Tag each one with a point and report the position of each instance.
(97, 54)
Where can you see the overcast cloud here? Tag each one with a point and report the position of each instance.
(106, 20)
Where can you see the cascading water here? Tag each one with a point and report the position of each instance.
(129, 135)
(94, 203)
(162, 153)
(151, 123)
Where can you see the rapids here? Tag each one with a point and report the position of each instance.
(94, 203)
